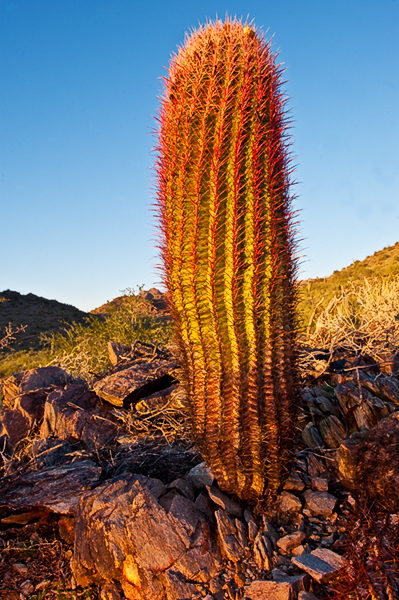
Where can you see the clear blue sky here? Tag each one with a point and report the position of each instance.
(79, 81)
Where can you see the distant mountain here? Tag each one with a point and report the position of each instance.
(39, 314)
(383, 263)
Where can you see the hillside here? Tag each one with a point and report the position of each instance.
(40, 315)
(384, 263)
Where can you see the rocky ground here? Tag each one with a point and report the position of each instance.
(104, 496)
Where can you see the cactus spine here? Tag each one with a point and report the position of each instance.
(227, 247)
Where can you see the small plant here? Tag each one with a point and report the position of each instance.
(228, 251)
(82, 347)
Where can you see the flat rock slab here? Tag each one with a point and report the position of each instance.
(57, 489)
(321, 564)
(290, 541)
(127, 387)
(265, 590)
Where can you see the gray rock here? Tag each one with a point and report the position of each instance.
(320, 503)
(321, 564)
(367, 409)
(200, 476)
(332, 431)
(311, 437)
(328, 405)
(307, 596)
(289, 503)
(261, 590)
(290, 541)
(228, 537)
(228, 504)
(298, 583)
(252, 526)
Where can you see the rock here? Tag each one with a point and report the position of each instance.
(128, 386)
(183, 486)
(307, 596)
(321, 564)
(315, 466)
(11, 389)
(319, 484)
(328, 405)
(204, 504)
(332, 431)
(227, 533)
(320, 503)
(269, 531)
(262, 551)
(290, 541)
(289, 503)
(159, 399)
(14, 427)
(297, 582)
(200, 476)
(228, 504)
(123, 536)
(31, 405)
(252, 526)
(294, 482)
(385, 388)
(367, 409)
(66, 418)
(51, 452)
(56, 488)
(311, 437)
(43, 377)
(262, 590)
(299, 550)
(116, 350)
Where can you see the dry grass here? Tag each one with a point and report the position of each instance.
(363, 319)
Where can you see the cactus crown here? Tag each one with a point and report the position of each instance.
(227, 245)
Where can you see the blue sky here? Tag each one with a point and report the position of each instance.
(79, 81)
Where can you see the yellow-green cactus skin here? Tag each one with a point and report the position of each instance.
(227, 243)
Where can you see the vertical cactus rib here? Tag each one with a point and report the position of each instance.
(227, 249)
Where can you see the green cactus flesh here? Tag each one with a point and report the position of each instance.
(227, 247)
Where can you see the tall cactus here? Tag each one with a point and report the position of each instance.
(227, 247)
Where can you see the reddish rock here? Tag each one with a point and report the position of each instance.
(262, 590)
(128, 386)
(65, 417)
(14, 427)
(122, 534)
(320, 503)
(116, 350)
(31, 405)
(56, 488)
(11, 389)
(43, 377)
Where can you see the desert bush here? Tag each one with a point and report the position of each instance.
(362, 319)
(82, 348)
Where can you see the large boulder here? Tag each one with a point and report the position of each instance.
(123, 534)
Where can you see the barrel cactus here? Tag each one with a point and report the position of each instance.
(228, 251)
